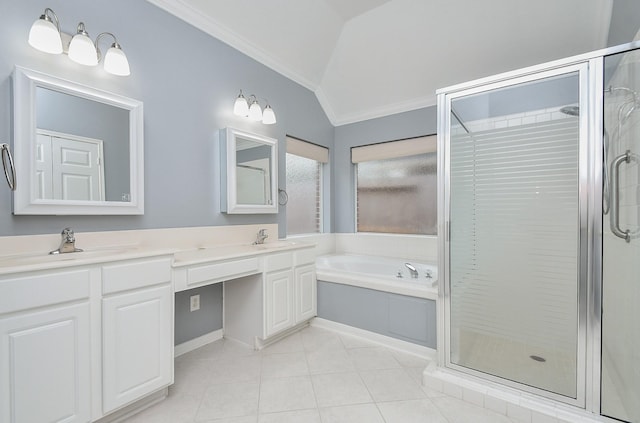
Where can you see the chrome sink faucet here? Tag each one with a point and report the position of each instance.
(412, 270)
(68, 243)
(262, 235)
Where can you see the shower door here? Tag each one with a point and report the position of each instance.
(515, 166)
(620, 388)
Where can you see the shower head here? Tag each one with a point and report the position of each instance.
(570, 110)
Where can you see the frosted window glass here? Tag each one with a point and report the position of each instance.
(398, 195)
(303, 189)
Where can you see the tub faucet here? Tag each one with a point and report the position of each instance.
(412, 270)
(262, 235)
(68, 243)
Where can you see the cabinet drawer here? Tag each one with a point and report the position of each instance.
(135, 274)
(278, 261)
(305, 256)
(42, 290)
(219, 272)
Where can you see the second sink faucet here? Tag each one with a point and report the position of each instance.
(412, 270)
(262, 235)
(68, 243)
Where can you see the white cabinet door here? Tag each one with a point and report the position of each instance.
(278, 302)
(45, 366)
(137, 345)
(306, 293)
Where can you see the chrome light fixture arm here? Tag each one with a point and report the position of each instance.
(102, 34)
(46, 17)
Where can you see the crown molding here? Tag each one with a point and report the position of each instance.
(374, 112)
(195, 18)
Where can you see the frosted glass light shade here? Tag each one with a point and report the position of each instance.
(240, 107)
(44, 36)
(268, 116)
(255, 112)
(82, 50)
(115, 61)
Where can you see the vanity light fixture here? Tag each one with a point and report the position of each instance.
(268, 116)
(252, 109)
(255, 112)
(81, 48)
(47, 37)
(241, 107)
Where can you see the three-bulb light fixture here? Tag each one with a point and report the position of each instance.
(252, 109)
(45, 35)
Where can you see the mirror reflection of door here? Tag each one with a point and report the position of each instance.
(69, 167)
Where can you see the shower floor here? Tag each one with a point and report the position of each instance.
(512, 360)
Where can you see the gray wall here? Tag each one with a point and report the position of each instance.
(192, 324)
(394, 127)
(625, 22)
(188, 94)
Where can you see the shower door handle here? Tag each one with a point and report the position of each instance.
(615, 196)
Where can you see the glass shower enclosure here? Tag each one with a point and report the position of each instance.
(621, 238)
(538, 229)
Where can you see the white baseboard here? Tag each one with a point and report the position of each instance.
(198, 342)
(130, 410)
(376, 338)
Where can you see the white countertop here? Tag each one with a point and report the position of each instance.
(228, 252)
(181, 257)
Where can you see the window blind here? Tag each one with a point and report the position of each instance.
(394, 149)
(307, 150)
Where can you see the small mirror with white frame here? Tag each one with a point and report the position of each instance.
(249, 172)
(78, 149)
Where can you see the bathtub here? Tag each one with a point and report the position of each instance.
(379, 273)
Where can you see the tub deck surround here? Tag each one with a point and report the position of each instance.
(378, 273)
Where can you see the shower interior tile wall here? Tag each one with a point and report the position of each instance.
(515, 119)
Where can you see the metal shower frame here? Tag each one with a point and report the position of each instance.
(591, 67)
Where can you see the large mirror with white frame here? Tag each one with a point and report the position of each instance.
(248, 172)
(78, 149)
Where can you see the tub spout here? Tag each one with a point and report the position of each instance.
(412, 270)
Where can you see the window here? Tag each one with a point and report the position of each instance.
(304, 162)
(396, 186)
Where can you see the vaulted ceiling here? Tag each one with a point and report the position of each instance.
(370, 58)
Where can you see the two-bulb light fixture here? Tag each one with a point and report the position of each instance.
(252, 109)
(45, 35)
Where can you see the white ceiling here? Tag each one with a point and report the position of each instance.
(371, 58)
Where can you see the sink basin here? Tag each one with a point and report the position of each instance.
(274, 245)
(208, 253)
(43, 258)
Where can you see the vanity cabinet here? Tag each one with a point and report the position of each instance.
(278, 311)
(45, 347)
(306, 295)
(259, 307)
(79, 343)
(137, 335)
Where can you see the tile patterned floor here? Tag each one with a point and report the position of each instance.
(313, 376)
